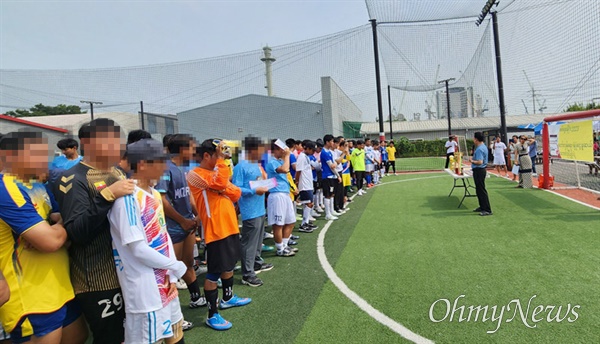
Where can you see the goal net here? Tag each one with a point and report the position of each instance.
(570, 151)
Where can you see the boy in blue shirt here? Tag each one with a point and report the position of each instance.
(281, 211)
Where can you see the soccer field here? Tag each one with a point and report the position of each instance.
(405, 245)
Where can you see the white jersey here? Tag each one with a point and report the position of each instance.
(303, 165)
(451, 146)
(140, 217)
(377, 155)
(336, 155)
(499, 148)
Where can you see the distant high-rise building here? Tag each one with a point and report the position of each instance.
(463, 103)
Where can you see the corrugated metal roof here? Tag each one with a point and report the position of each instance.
(470, 123)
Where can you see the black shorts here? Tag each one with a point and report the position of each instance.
(306, 196)
(105, 313)
(222, 255)
(329, 187)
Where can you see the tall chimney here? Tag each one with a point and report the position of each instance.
(268, 60)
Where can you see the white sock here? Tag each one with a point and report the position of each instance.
(321, 198)
(327, 208)
(279, 246)
(331, 209)
(306, 214)
(285, 242)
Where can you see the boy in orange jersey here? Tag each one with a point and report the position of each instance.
(214, 195)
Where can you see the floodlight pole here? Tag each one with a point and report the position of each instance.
(503, 130)
(377, 78)
(91, 106)
(448, 103)
(390, 111)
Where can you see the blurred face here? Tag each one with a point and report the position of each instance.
(278, 152)
(31, 162)
(309, 151)
(498, 139)
(350, 145)
(105, 147)
(209, 160)
(151, 170)
(255, 154)
(187, 153)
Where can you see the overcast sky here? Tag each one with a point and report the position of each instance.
(95, 34)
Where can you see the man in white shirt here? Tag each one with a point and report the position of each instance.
(499, 149)
(451, 147)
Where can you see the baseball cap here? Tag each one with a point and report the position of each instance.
(145, 150)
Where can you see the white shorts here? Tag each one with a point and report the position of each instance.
(151, 327)
(369, 168)
(499, 160)
(3, 335)
(280, 209)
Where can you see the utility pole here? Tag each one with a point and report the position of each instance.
(532, 90)
(142, 115)
(91, 106)
(377, 78)
(448, 103)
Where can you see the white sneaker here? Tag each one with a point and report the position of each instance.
(331, 218)
(335, 213)
(318, 209)
(200, 269)
(312, 219)
(198, 303)
(181, 285)
(267, 235)
(314, 214)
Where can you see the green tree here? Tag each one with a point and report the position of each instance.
(43, 110)
(582, 107)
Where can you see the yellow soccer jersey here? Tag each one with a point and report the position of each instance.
(39, 282)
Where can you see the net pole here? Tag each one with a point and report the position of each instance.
(503, 130)
(577, 173)
(377, 79)
(546, 155)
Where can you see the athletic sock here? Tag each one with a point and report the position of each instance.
(279, 246)
(227, 288)
(331, 206)
(211, 301)
(194, 290)
(285, 242)
(327, 208)
(368, 177)
(306, 214)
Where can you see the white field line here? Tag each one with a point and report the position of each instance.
(354, 297)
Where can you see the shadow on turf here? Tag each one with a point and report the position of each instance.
(445, 207)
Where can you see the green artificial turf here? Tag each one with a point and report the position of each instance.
(404, 245)
(412, 246)
(420, 164)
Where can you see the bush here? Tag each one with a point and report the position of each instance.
(413, 149)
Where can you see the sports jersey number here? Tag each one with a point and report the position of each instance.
(167, 331)
(117, 301)
(278, 218)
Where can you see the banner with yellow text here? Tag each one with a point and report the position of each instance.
(576, 141)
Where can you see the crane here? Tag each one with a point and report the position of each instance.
(532, 90)
(541, 106)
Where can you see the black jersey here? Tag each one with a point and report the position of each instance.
(84, 208)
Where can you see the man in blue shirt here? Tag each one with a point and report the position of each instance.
(331, 177)
(252, 209)
(68, 159)
(478, 164)
(533, 153)
(281, 211)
